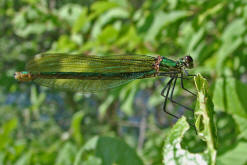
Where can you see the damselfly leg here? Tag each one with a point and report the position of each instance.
(172, 83)
(167, 87)
(169, 96)
(182, 84)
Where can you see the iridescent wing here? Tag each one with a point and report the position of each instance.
(139, 65)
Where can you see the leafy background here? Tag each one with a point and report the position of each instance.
(126, 125)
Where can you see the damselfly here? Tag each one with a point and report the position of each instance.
(95, 73)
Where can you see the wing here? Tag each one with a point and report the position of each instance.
(59, 62)
(84, 86)
(89, 64)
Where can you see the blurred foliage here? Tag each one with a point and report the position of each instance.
(44, 126)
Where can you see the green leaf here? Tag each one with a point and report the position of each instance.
(205, 126)
(130, 38)
(127, 97)
(102, 6)
(234, 30)
(227, 49)
(6, 130)
(196, 38)
(103, 106)
(80, 21)
(232, 39)
(65, 44)
(211, 11)
(204, 117)
(34, 28)
(2, 157)
(230, 96)
(236, 97)
(90, 145)
(37, 99)
(70, 12)
(92, 160)
(127, 103)
(76, 127)
(236, 156)
(242, 126)
(173, 153)
(66, 154)
(219, 97)
(24, 159)
(228, 132)
(162, 19)
(118, 13)
(108, 35)
(115, 151)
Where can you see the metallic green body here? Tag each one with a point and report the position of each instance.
(168, 62)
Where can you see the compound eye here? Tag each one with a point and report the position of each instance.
(188, 59)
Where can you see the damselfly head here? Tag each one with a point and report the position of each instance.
(187, 61)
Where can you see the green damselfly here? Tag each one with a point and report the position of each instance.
(88, 74)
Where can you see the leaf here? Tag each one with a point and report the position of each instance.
(24, 159)
(32, 2)
(6, 130)
(126, 97)
(127, 104)
(66, 154)
(92, 160)
(90, 145)
(65, 44)
(230, 95)
(196, 38)
(174, 154)
(34, 28)
(118, 13)
(225, 50)
(115, 151)
(235, 156)
(162, 19)
(103, 106)
(70, 12)
(242, 126)
(211, 11)
(204, 117)
(205, 126)
(228, 132)
(236, 97)
(2, 157)
(37, 99)
(76, 127)
(219, 97)
(80, 21)
(130, 38)
(102, 6)
(232, 39)
(108, 35)
(234, 30)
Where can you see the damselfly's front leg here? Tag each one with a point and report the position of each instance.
(182, 85)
